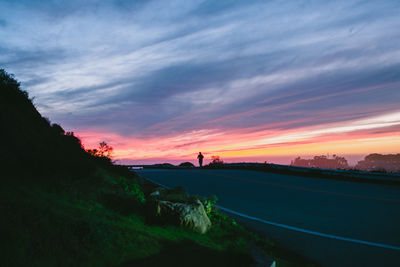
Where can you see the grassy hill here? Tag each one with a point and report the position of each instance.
(60, 206)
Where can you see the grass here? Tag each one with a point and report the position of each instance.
(99, 221)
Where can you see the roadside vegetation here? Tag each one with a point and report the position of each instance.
(101, 221)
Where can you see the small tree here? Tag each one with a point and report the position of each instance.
(104, 151)
(57, 129)
(216, 160)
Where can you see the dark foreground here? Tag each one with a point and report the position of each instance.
(336, 209)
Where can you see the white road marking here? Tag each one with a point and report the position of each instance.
(309, 231)
(297, 229)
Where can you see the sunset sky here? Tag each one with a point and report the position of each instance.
(245, 80)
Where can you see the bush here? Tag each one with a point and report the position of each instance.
(216, 161)
(186, 164)
(127, 186)
(209, 204)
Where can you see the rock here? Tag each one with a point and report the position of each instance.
(190, 215)
(155, 193)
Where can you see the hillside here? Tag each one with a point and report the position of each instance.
(61, 206)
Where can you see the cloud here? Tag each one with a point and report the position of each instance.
(159, 69)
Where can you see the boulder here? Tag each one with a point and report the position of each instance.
(157, 192)
(190, 215)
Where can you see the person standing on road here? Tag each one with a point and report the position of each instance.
(200, 157)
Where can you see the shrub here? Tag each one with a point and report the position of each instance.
(186, 164)
(209, 204)
(128, 186)
(216, 161)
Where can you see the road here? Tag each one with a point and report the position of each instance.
(331, 222)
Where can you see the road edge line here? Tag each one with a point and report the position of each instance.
(297, 229)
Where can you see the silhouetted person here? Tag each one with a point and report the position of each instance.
(200, 157)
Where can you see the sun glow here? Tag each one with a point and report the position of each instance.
(353, 137)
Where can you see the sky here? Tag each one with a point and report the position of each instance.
(246, 80)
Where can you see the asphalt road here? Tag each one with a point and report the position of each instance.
(331, 222)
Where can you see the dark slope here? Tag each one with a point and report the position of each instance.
(29, 143)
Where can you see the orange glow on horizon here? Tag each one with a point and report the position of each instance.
(373, 135)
